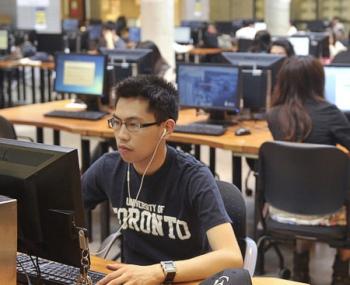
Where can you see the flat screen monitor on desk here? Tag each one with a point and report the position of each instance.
(301, 44)
(182, 35)
(45, 180)
(259, 72)
(135, 34)
(81, 74)
(213, 88)
(337, 87)
(139, 58)
(4, 42)
(70, 25)
(50, 43)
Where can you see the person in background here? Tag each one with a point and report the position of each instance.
(159, 65)
(262, 42)
(282, 47)
(210, 37)
(109, 38)
(335, 46)
(247, 31)
(300, 113)
(173, 221)
(292, 29)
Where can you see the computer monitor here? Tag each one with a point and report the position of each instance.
(319, 44)
(81, 74)
(95, 31)
(182, 35)
(50, 43)
(224, 27)
(45, 180)
(211, 87)
(4, 41)
(139, 58)
(301, 44)
(70, 25)
(337, 86)
(135, 34)
(259, 74)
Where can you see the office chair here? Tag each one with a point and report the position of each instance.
(236, 209)
(300, 178)
(7, 130)
(342, 58)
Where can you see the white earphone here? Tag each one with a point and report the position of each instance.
(164, 133)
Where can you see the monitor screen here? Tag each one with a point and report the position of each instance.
(70, 25)
(182, 35)
(50, 43)
(4, 40)
(80, 73)
(45, 180)
(337, 87)
(209, 87)
(95, 31)
(135, 34)
(301, 44)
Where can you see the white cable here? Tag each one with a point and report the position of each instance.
(107, 248)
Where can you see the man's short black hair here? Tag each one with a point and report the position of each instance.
(162, 96)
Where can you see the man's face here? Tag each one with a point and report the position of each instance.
(136, 147)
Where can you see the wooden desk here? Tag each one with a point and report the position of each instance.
(239, 145)
(99, 264)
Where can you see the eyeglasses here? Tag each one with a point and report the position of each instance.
(132, 125)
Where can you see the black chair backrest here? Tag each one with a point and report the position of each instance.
(236, 209)
(342, 57)
(6, 129)
(302, 178)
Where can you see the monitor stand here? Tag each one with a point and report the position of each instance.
(84, 103)
(221, 118)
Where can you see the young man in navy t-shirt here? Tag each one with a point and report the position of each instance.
(173, 221)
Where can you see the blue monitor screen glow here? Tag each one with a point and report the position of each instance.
(134, 34)
(337, 87)
(80, 74)
(208, 87)
(70, 25)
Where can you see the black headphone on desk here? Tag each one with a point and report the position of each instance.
(229, 276)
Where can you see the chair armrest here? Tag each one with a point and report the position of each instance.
(250, 256)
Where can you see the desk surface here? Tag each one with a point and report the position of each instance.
(34, 115)
(99, 264)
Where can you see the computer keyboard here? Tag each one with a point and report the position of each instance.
(52, 273)
(80, 115)
(202, 129)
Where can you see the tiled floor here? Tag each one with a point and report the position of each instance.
(321, 257)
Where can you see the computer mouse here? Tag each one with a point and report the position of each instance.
(242, 132)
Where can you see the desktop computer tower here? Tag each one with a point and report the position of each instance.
(8, 240)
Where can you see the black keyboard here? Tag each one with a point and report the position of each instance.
(53, 273)
(80, 115)
(202, 129)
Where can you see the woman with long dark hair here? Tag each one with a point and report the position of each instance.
(300, 113)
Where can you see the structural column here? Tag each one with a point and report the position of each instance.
(277, 16)
(157, 22)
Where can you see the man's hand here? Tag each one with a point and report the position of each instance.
(129, 274)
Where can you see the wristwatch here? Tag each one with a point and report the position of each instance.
(169, 269)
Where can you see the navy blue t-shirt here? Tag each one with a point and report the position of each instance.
(175, 208)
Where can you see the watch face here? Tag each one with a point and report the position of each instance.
(169, 269)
